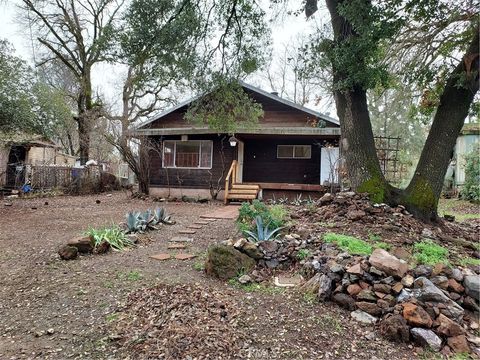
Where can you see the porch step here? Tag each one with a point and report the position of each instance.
(243, 192)
(231, 196)
(234, 190)
(246, 186)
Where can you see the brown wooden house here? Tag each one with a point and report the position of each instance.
(293, 149)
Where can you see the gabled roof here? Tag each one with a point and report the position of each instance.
(22, 138)
(255, 90)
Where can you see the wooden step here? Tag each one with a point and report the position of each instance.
(241, 196)
(243, 191)
(246, 186)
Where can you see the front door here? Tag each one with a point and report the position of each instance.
(329, 160)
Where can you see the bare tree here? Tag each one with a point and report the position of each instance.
(288, 73)
(77, 33)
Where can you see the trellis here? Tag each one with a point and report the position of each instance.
(387, 152)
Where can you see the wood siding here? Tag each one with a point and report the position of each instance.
(194, 178)
(276, 114)
(261, 163)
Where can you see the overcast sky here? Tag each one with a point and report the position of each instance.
(106, 77)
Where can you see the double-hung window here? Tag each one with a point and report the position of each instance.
(294, 151)
(192, 154)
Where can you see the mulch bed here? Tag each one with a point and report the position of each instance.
(180, 322)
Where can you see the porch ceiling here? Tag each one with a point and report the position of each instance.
(262, 131)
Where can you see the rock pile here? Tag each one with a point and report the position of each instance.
(430, 305)
(349, 209)
(435, 306)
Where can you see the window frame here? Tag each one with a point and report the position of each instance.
(293, 152)
(199, 142)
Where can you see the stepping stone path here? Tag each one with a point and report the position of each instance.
(181, 239)
(176, 246)
(202, 222)
(186, 231)
(183, 256)
(179, 242)
(161, 256)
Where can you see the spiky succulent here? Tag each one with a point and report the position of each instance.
(263, 232)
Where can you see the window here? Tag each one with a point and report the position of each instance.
(294, 151)
(187, 154)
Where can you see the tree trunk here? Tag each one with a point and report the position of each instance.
(83, 138)
(422, 194)
(84, 119)
(358, 143)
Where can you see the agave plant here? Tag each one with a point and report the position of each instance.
(136, 222)
(160, 216)
(263, 232)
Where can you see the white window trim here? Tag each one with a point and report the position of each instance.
(293, 153)
(175, 154)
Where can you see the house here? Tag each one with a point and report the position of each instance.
(20, 151)
(467, 140)
(293, 149)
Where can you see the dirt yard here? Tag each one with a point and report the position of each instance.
(54, 309)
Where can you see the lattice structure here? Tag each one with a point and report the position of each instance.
(387, 151)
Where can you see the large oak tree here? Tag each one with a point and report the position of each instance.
(361, 30)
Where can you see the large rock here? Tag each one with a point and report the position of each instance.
(388, 263)
(472, 286)
(84, 244)
(312, 285)
(325, 288)
(395, 328)
(363, 317)
(370, 308)
(426, 337)
(448, 327)
(68, 252)
(252, 250)
(226, 262)
(459, 344)
(426, 291)
(344, 301)
(268, 247)
(416, 315)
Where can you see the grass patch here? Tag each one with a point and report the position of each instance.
(461, 209)
(429, 253)
(309, 298)
(111, 317)
(303, 254)
(349, 244)
(329, 322)
(130, 276)
(469, 261)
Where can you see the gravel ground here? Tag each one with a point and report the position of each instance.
(53, 309)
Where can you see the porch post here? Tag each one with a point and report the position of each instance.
(240, 150)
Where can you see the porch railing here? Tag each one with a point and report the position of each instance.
(230, 179)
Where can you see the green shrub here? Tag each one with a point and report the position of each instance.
(274, 215)
(113, 235)
(427, 252)
(471, 187)
(349, 244)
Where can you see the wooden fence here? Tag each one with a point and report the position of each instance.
(47, 177)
